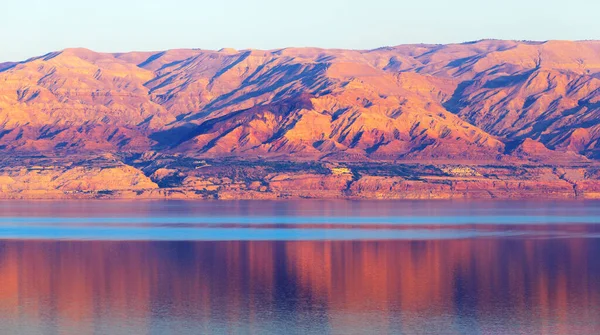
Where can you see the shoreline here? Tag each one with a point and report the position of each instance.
(191, 195)
(162, 177)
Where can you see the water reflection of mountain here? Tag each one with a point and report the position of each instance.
(543, 285)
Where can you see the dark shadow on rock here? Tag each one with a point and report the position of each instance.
(455, 103)
(509, 80)
(151, 59)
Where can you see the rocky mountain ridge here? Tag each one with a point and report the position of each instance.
(507, 103)
(468, 101)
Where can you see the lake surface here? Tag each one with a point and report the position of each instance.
(299, 267)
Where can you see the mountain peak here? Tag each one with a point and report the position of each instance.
(228, 51)
(81, 53)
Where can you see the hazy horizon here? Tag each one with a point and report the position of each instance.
(38, 27)
(288, 47)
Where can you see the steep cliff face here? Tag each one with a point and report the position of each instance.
(468, 101)
(550, 93)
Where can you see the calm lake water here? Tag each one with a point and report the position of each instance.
(299, 267)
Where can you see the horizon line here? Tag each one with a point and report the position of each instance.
(301, 47)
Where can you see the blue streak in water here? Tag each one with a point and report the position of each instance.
(342, 220)
(236, 234)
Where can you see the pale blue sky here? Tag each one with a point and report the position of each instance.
(33, 27)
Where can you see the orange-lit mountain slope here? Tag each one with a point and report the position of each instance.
(485, 100)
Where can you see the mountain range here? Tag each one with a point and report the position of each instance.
(455, 106)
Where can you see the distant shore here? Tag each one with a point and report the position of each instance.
(173, 177)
